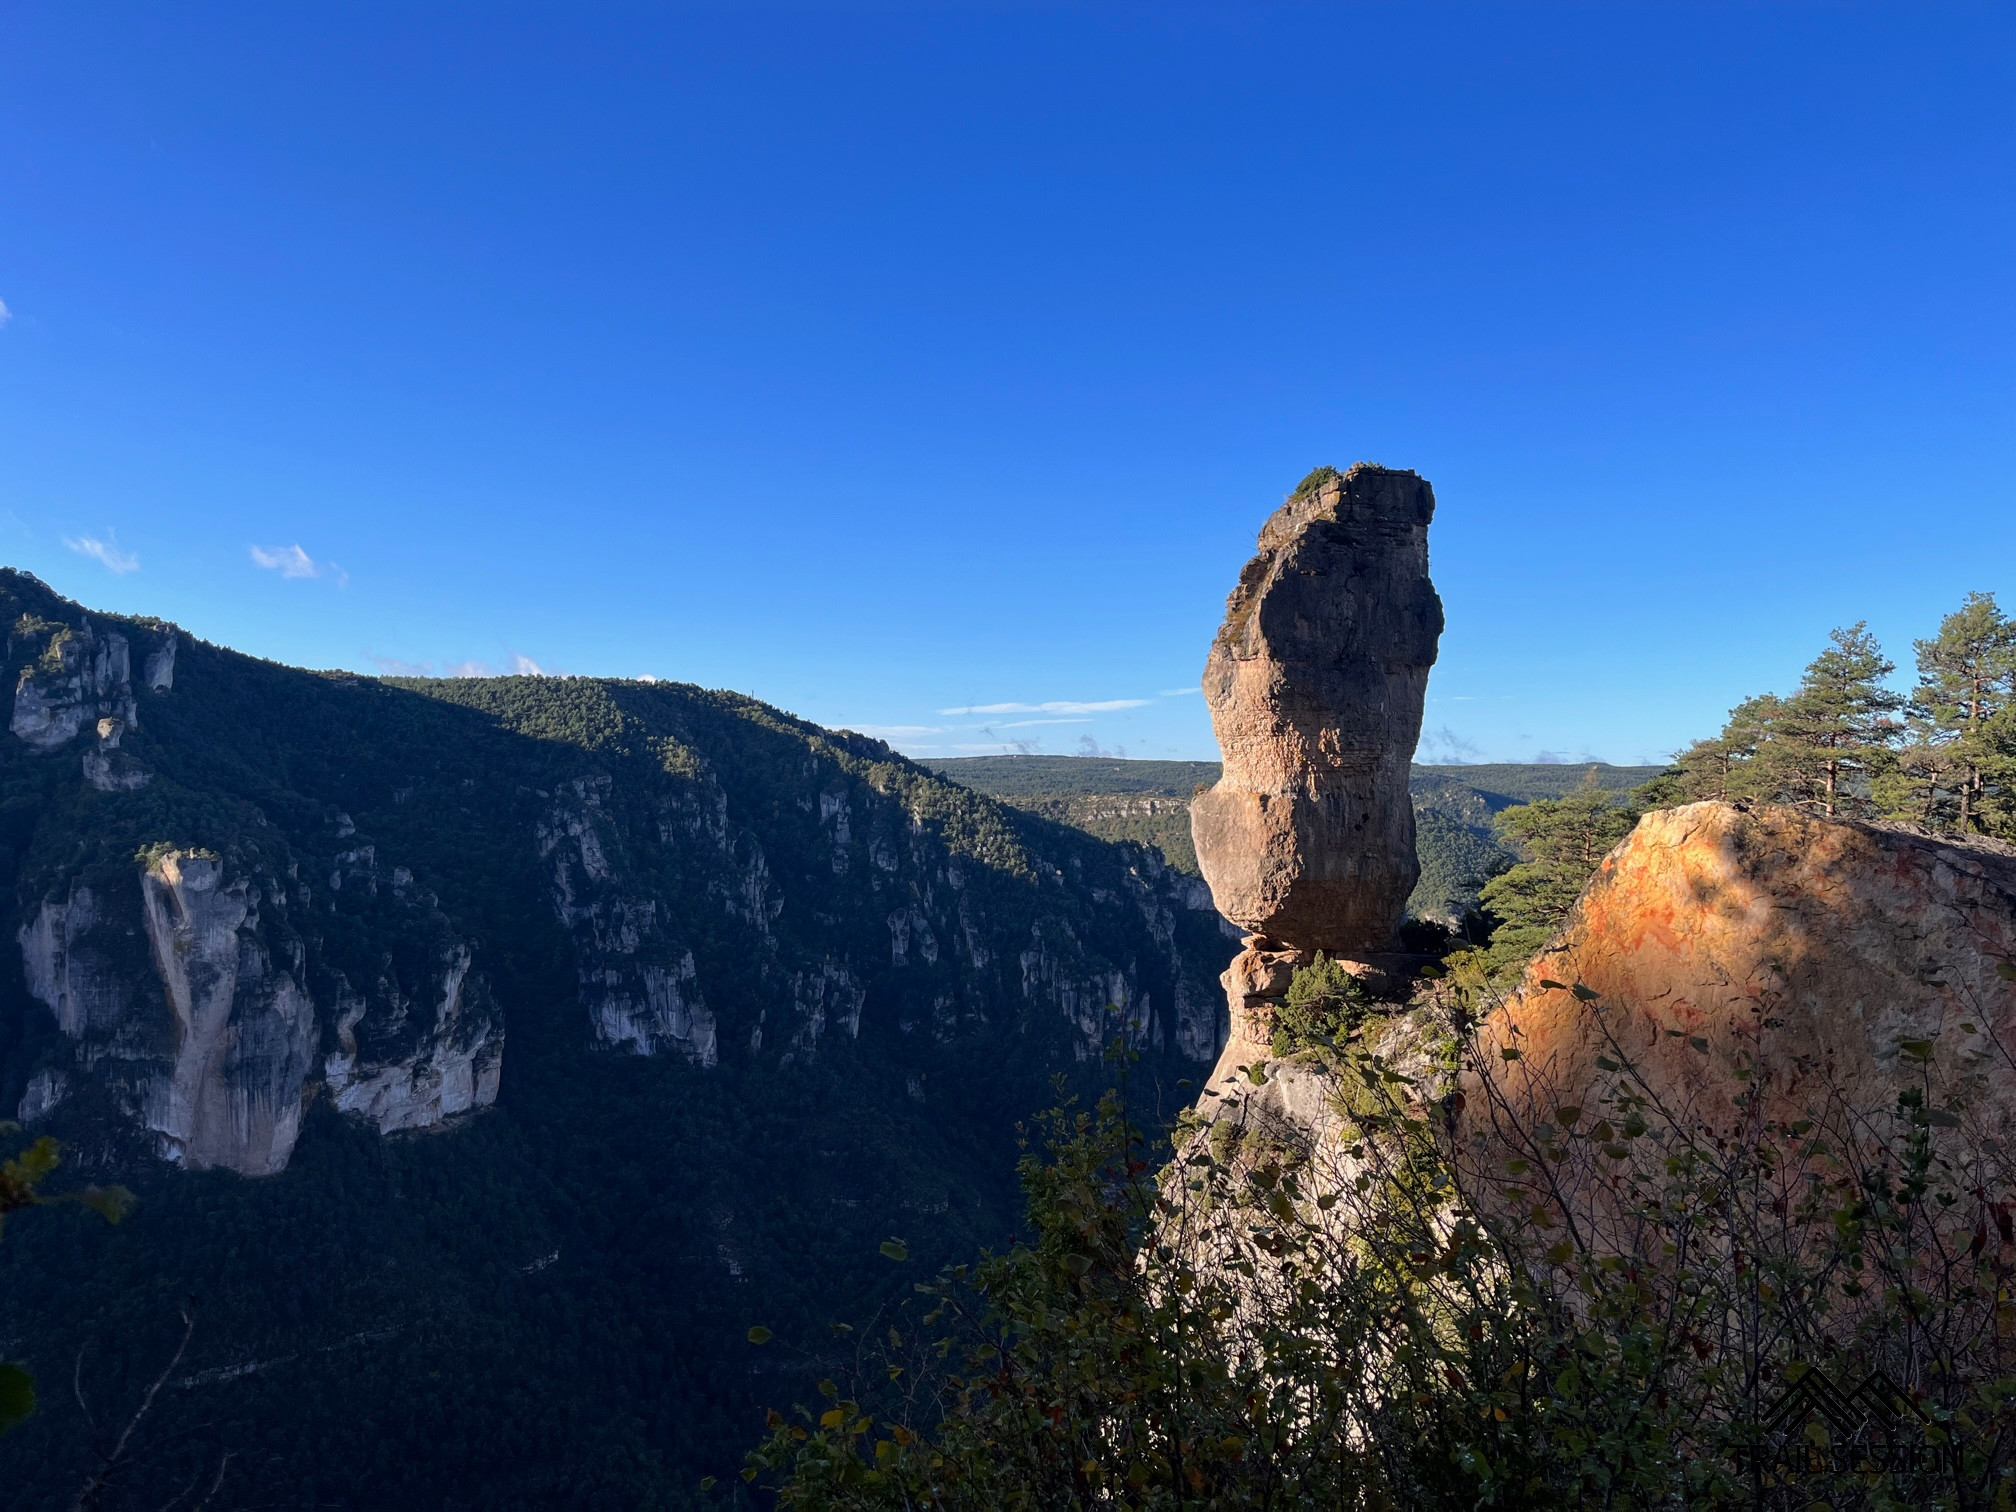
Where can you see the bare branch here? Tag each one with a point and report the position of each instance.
(223, 1463)
(77, 1388)
(92, 1493)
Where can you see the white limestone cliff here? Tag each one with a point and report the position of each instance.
(193, 1000)
(81, 676)
(160, 668)
(245, 1027)
(80, 987)
(638, 984)
(456, 1065)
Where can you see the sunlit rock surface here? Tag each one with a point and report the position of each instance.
(1820, 962)
(82, 674)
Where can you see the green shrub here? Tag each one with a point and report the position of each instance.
(1324, 1003)
(1314, 482)
(1521, 1306)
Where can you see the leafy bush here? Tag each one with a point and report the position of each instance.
(1470, 1296)
(21, 1178)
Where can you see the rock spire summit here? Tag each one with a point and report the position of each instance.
(1315, 684)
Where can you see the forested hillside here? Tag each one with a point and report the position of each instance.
(487, 1057)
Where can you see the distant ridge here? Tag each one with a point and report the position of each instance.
(1052, 776)
(1013, 777)
(1148, 802)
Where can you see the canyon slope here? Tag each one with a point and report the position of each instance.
(476, 1045)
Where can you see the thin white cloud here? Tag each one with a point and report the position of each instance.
(5, 313)
(969, 748)
(288, 561)
(1177, 692)
(1054, 706)
(1023, 724)
(521, 666)
(892, 732)
(1446, 747)
(106, 551)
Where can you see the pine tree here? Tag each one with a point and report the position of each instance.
(1838, 727)
(1723, 768)
(1565, 840)
(1921, 783)
(1995, 749)
(1966, 679)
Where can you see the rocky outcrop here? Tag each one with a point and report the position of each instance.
(68, 968)
(160, 669)
(413, 1065)
(1728, 969)
(827, 998)
(1821, 961)
(195, 1001)
(637, 981)
(109, 769)
(1315, 684)
(418, 1040)
(81, 676)
(210, 1050)
(244, 1027)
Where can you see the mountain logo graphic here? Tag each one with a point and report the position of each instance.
(1877, 1404)
(1817, 1431)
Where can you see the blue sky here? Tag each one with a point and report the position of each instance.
(929, 368)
